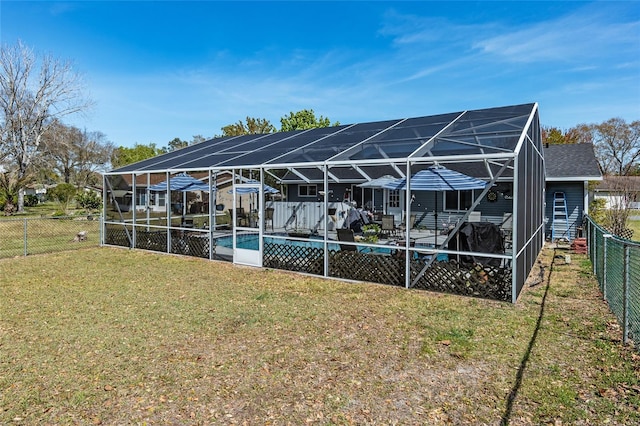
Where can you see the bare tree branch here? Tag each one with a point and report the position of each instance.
(33, 95)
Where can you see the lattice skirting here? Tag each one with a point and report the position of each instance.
(117, 236)
(370, 267)
(450, 277)
(293, 258)
(151, 240)
(487, 282)
(191, 245)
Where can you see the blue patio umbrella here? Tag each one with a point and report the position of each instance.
(182, 182)
(438, 178)
(266, 188)
(378, 183)
(243, 191)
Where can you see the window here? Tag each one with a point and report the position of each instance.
(307, 190)
(394, 198)
(161, 199)
(458, 200)
(141, 197)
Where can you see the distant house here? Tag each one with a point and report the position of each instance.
(40, 190)
(613, 188)
(569, 169)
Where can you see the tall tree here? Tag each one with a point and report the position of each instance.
(75, 154)
(578, 134)
(552, 135)
(122, 155)
(34, 91)
(303, 120)
(93, 154)
(176, 143)
(197, 139)
(617, 146)
(252, 126)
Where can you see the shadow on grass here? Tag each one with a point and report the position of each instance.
(506, 417)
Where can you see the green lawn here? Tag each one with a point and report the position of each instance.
(45, 235)
(115, 336)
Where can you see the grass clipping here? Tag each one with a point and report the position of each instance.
(111, 336)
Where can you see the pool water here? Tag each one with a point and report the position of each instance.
(250, 242)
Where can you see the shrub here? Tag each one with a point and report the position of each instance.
(30, 200)
(89, 200)
(63, 194)
(598, 212)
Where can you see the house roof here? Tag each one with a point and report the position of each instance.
(619, 184)
(571, 162)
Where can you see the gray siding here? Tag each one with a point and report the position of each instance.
(574, 195)
(337, 195)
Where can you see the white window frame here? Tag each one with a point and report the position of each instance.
(394, 198)
(141, 197)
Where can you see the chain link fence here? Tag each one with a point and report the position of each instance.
(616, 264)
(31, 235)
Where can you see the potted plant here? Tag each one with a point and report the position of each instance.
(371, 232)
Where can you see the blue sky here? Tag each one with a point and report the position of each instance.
(160, 70)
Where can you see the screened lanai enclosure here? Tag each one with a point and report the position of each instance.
(449, 203)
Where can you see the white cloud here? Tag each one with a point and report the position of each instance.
(581, 36)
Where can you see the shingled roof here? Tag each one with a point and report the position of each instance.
(571, 162)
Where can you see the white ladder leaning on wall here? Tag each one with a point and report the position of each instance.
(560, 223)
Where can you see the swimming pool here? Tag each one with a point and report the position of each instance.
(250, 242)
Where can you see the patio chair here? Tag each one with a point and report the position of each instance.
(346, 235)
(242, 217)
(268, 216)
(388, 226)
(412, 222)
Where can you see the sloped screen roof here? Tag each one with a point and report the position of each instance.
(477, 132)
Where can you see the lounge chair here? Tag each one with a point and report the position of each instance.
(346, 235)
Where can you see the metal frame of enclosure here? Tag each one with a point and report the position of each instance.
(434, 244)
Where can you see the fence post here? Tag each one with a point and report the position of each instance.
(604, 271)
(592, 247)
(625, 295)
(25, 236)
(101, 230)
